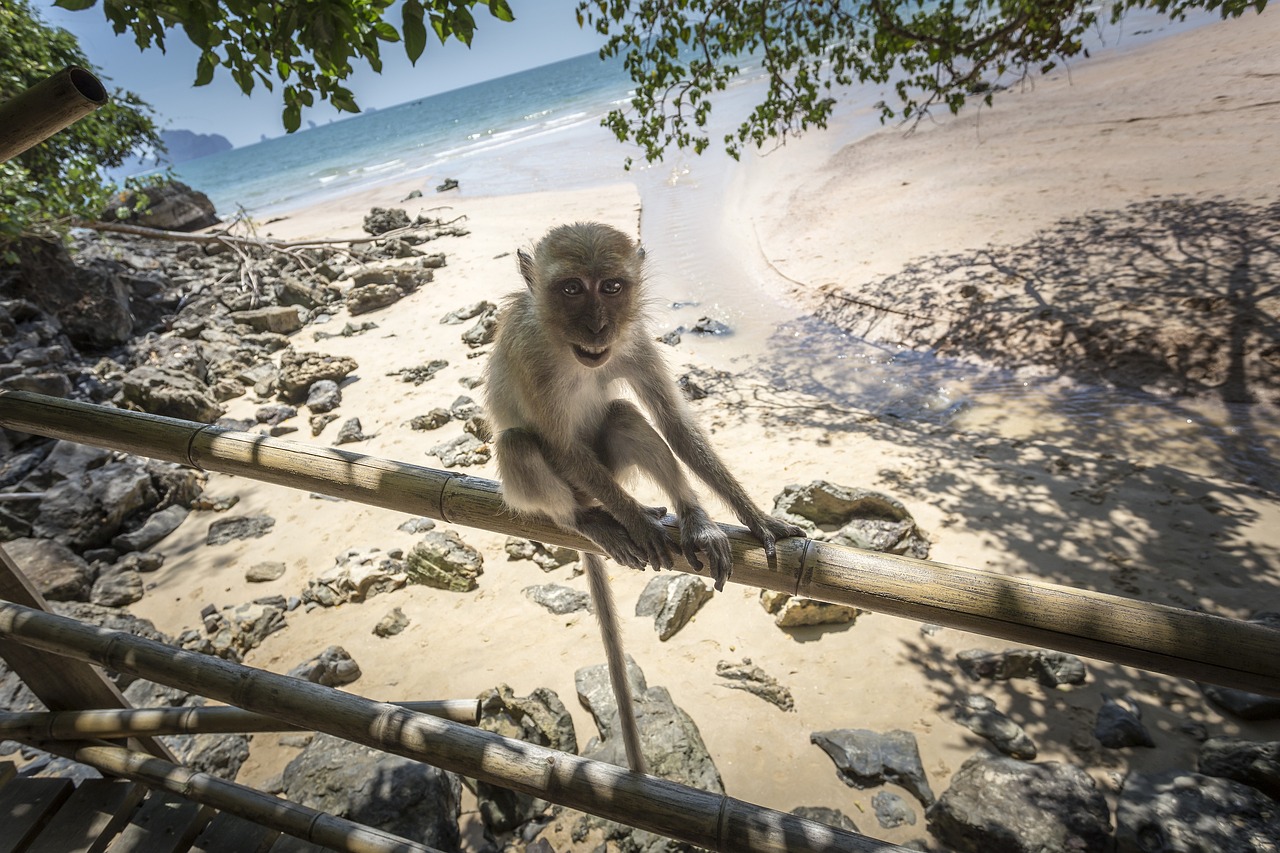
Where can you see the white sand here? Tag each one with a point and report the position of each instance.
(1195, 115)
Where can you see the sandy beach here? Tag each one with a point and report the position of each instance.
(1102, 504)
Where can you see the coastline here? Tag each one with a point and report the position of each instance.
(1133, 525)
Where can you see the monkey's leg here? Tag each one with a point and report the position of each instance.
(531, 485)
(611, 633)
(629, 440)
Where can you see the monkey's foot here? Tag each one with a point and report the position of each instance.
(606, 531)
(698, 533)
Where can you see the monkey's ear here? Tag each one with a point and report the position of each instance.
(640, 253)
(526, 266)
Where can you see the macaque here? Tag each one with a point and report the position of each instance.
(564, 435)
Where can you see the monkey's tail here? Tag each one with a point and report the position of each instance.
(607, 614)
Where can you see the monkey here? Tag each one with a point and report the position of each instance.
(563, 435)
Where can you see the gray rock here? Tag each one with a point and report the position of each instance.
(319, 422)
(54, 569)
(273, 413)
(1051, 669)
(1242, 703)
(1002, 805)
(398, 795)
(380, 220)
(220, 755)
(333, 667)
(350, 431)
(753, 679)
(362, 300)
(672, 600)
(464, 407)
(859, 517)
(484, 331)
(462, 452)
(1119, 724)
(1183, 812)
(892, 811)
(434, 419)
(155, 528)
(468, 312)
(234, 632)
(866, 759)
(391, 624)
(280, 319)
(1254, 763)
(87, 511)
(117, 588)
(417, 525)
(539, 718)
(265, 571)
(980, 715)
(47, 383)
(324, 396)
(558, 599)
(162, 391)
(138, 561)
(357, 576)
(442, 560)
(547, 557)
(172, 206)
(300, 370)
(792, 611)
(226, 530)
(829, 817)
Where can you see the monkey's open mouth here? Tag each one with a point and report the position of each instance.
(591, 356)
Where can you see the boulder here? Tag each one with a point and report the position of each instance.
(333, 667)
(172, 206)
(1119, 724)
(1251, 762)
(442, 560)
(672, 600)
(280, 319)
(867, 759)
(979, 715)
(163, 391)
(117, 587)
(57, 572)
(1183, 812)
(155, 528)
(380, 220)
(299, 371)
(560, 600)
(1051, 669)
(851, 516)
(793, 611)
(323, 396)
(88, 510)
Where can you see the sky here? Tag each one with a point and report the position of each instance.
(544, 31)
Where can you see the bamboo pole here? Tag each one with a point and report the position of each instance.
(1149, 636)
(297, 820)
(110, 724)
(34, 115)
(701, 818)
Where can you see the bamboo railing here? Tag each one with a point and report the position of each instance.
(713, 821)
(46, 108)
(1148, 636)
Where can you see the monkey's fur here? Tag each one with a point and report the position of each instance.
(563, 435)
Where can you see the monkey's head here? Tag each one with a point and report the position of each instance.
(586, 280)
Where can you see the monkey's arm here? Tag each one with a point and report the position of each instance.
(690, 443)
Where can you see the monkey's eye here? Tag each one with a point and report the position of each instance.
(572, 287)
(612, 286)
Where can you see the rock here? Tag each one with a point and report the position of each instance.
(892, 811)
(442, 560)
(671, 338)
(829, 817)
(49, 384)
(319, 422)
(753, 679)
(362, 300)
(859, 517)
(421, 373)
(464, 407)
(157, 526)
(357, 576)
(1242, 703)
(88, 510)
(280, 319)
(226, 530)
(539, 718)
(172, 206)
(691, 387)
(1182, 812)
(475, 309)
(792, 611)
(162, 391)
(232, 633)
(1119, 724)
(401, 796)
(90, 300)
(350, 431)
(672, 600)
(381, 220)
(54, 570)
(264, 572)
(1052, 669)
(417, 525)
(558, 599)
(1251, 762)
(1001, 805)
(866, 759)
(333, 667)
(484, 331)
(140, 562)
(323, 396)
(220, 755)
(462, 452)
(391, 624)
(434, 419)
(448, 184)
(299, 371)
(710, 326)
(117, 587)
(273, 413)
(979, 714)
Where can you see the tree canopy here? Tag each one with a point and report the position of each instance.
(931, 52)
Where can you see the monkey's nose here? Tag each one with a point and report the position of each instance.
(597, 326)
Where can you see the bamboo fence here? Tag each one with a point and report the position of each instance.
(712, 821)
(1148, 636)
(47, 107)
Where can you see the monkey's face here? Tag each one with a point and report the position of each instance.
(596, 314)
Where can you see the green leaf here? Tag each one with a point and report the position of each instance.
(75, 5)
(415, 33)
(204, 69)
(500, 10)
(292, 117)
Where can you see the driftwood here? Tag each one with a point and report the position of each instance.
(1149, 636)
(229, 239)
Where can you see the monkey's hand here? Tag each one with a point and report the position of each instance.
(650, 535)
(617, 542)
(698, 533)
(768, 530)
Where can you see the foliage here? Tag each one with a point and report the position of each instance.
(931, 53)
(60, 177)
(308, 45)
